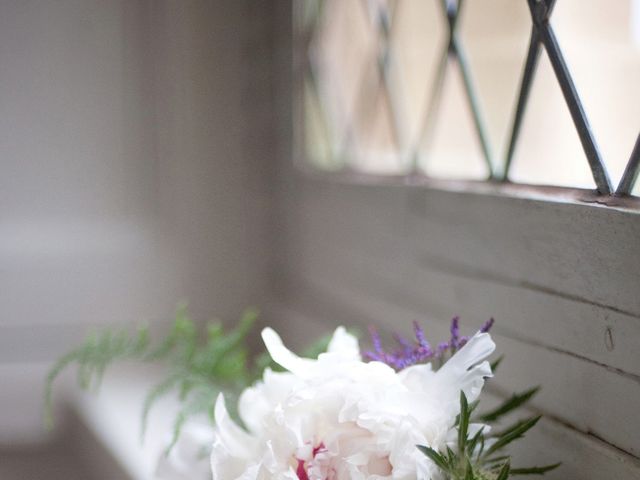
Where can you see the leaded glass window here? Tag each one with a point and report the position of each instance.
(538, 92)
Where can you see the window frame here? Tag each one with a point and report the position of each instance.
(542, 38)
(557, 266)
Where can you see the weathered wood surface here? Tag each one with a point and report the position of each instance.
(584, 455)
(564, 301)
(560, 273)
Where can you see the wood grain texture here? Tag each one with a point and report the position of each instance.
(589, 396)
(584, 251)
(584, 456)
(559, 271)
(375, 255)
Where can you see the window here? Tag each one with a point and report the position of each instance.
(470, 90)
(427, 237)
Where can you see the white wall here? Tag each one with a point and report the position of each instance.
(132, 176)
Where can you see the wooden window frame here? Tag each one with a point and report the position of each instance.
(559, 269)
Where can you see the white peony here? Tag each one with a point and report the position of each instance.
(338, 417)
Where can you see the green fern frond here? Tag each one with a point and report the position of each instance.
(156, 393)
(92, 359)
(200, 403)
(197, 371)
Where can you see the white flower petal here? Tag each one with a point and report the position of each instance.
(226, 466)
(340, 415)
(237, 441)
(285, 357)
(345, 344)
(417, 378)
(189, 458)
(260, 400)
(466, 370)
(478, 348)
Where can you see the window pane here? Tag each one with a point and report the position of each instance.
(387, 107)
(549, 151)
(598, 38)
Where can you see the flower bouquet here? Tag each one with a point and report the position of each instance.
(334, 413)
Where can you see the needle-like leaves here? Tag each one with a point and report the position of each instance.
(471, 444)
(463, 427)
(435, 457)
(511, 434)
(504, 472)
(534, 470)
(496, 363)
(474, 460)
(516, 400)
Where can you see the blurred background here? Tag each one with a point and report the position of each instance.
(147, 150)
(136, 155)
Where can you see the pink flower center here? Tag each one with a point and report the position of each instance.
(301, 471)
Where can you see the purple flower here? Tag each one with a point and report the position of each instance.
(455, 333)
(419, 351)
(486, 326)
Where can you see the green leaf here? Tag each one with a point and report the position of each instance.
(55, 371)
(496, 363)
(435, 457)
(92, 358)
(493, 460)
(471, 446)
(452, 458)
(534, 470)
(516, 431)
(504, 472)
(194, 368)
(481, 449)
(200, 403)
(516, 401)
(464, 423)
(154, 395)
(199, 364)
(468, 471)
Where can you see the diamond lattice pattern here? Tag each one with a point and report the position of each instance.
(390, 87)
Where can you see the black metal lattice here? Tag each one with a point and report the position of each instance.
(542, 36)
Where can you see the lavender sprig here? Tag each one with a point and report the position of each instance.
(420, 350)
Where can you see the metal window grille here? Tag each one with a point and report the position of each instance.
(381, 14)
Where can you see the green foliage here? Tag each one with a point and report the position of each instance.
(480, 456)
(516, 400)
(534, 470)
(496, 363)
(197, 370)
(92, 358)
